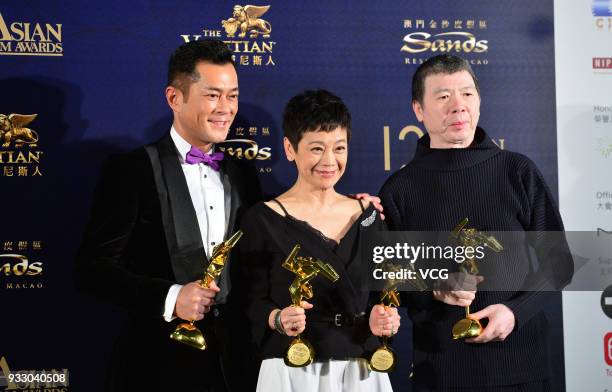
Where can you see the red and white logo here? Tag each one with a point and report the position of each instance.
(602, 62)
(608, 348)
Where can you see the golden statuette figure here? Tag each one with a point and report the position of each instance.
(300, 351)
(468, 327)
(188, 333)
(383, 359)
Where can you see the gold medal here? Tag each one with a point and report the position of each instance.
(383, 359)
(466, 328)
(300, 353)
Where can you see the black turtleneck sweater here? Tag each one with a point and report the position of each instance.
(497, 190)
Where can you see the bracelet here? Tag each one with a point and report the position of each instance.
(278, 325)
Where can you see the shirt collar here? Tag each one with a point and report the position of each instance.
(182, 146)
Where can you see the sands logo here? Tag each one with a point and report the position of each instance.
(18, 271)
(246, 33)
(454, 41)
(439, 36)
(249, 149)
(246, 149)
(30, 39)
(19, 265)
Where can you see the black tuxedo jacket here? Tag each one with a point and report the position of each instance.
(142, 238)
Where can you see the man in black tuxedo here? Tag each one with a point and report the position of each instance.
(157, 215)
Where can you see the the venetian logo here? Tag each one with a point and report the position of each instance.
(12, 129)
(246, 33)
(15, 159)
(444, 36)
(30, 39)
(248, 19)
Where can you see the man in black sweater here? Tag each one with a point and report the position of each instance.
(458, 172)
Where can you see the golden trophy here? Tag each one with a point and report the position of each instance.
(468, 327)
(188, 333)
(383, 359)
(300, 351)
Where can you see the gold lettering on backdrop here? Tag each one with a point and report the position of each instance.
(386, 148)
(30, 39)
(410, 129)
(241, 30)
(401, 136)
(17, 142)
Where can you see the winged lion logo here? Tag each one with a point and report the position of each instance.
(247, 19)
(12, 129)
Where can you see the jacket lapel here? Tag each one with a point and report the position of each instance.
(183, 235)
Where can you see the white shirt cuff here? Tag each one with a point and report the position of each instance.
(171, 302)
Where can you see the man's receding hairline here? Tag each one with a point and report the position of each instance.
(444, 72)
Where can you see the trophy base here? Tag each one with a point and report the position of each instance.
(190, 335)
(300, 353)
(467, 328)
(383, 360)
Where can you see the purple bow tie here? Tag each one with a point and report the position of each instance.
(195, 155)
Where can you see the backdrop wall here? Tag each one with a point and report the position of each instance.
(94, 74)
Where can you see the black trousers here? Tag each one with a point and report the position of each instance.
(239, 362)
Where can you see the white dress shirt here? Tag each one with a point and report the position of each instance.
(208, 198)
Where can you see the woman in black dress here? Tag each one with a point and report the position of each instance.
(341, 319)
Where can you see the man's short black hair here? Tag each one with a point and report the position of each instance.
(314, 110)
(182, 65)
(441, 64)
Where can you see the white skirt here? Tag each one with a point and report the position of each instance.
(324, 376)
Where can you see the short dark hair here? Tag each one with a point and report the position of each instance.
(182, 65)
(441, 64)
(314, 110)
